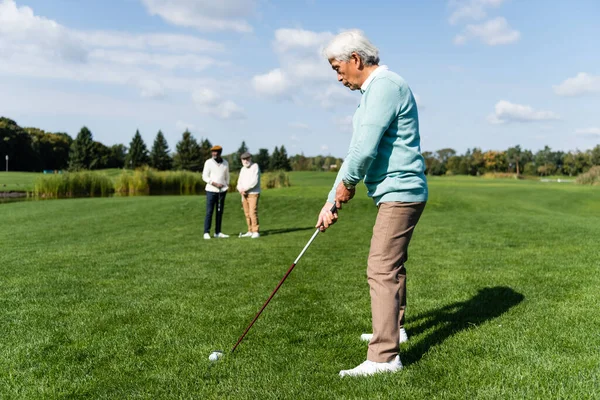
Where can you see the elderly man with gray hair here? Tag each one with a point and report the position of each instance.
(384, 153)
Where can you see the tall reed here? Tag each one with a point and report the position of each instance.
(147, 181)
(73, 184)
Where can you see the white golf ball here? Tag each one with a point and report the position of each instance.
(215, 355)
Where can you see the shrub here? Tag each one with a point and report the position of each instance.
(500, 175)
(592, 177)
(274, 180)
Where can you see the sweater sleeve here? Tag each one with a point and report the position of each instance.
(227, 175)
(253, 180)
(382, 106)
(206, 173)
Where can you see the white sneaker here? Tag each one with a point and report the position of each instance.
(366, 337)
(221, 235)
(247, 234)
(255, 235)
(371, 368)
(207, 236)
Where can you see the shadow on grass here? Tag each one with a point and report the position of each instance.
(284, 230)
(487, 304)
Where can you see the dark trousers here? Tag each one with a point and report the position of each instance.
(214, 200)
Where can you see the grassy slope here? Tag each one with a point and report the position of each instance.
(120, 298)
(17, 181)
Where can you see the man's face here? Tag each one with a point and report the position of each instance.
(246, 162)
(348, 72)
(214, 154)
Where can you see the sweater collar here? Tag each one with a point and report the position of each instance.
(368, 81)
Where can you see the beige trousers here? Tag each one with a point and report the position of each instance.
(250, 204)
(386, 275)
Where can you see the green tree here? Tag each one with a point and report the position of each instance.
(236, 162)
(83, 151)
(457, 166)
(101, 156)
(117, 156)
(205, 152)
(583, 161)
(569, 167)
(494, 160)
(444, 155)
(187, 154)
(50, 150)
(274, 160)
(262, 159)
(159, 156)
(595, 155)
(545, 161)
(16, 144)
(283, 162)
(476, 162)
(137, 155)
(514, 156)
(433, 166)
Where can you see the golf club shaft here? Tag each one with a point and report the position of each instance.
(333, 209)
(219, 203)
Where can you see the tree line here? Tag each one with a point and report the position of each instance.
(513, 160)
(32, 149)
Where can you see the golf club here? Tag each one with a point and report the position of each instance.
(215, 355)
(219, 202)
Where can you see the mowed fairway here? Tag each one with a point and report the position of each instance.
(121, 298)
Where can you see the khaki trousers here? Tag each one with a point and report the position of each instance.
(386, 275)
(250, 204)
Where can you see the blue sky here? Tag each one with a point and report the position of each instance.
(486, 73)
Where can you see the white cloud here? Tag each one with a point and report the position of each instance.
(299, 125)
(336, 95)
(166, 61)
(309, 70)
(506, 112)
(344, 124)
(471, 9)
(156, 41)
(205, 15)
(301, 65)
(300, 39)
(151, 89)
(580, 84)
(36, 47)
(324, 148)
(209, 102)
(274, 83)
(494, 32)
(588, 132)
(22, 31)
(181, 125)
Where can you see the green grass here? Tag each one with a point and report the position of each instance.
(121, 298)
(18, 181)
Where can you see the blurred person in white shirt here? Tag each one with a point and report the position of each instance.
(216, 176)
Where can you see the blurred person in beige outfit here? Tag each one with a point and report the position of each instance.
(249, 188)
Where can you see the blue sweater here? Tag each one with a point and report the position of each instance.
(385, 150)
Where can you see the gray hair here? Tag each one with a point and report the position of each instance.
(344, 44)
